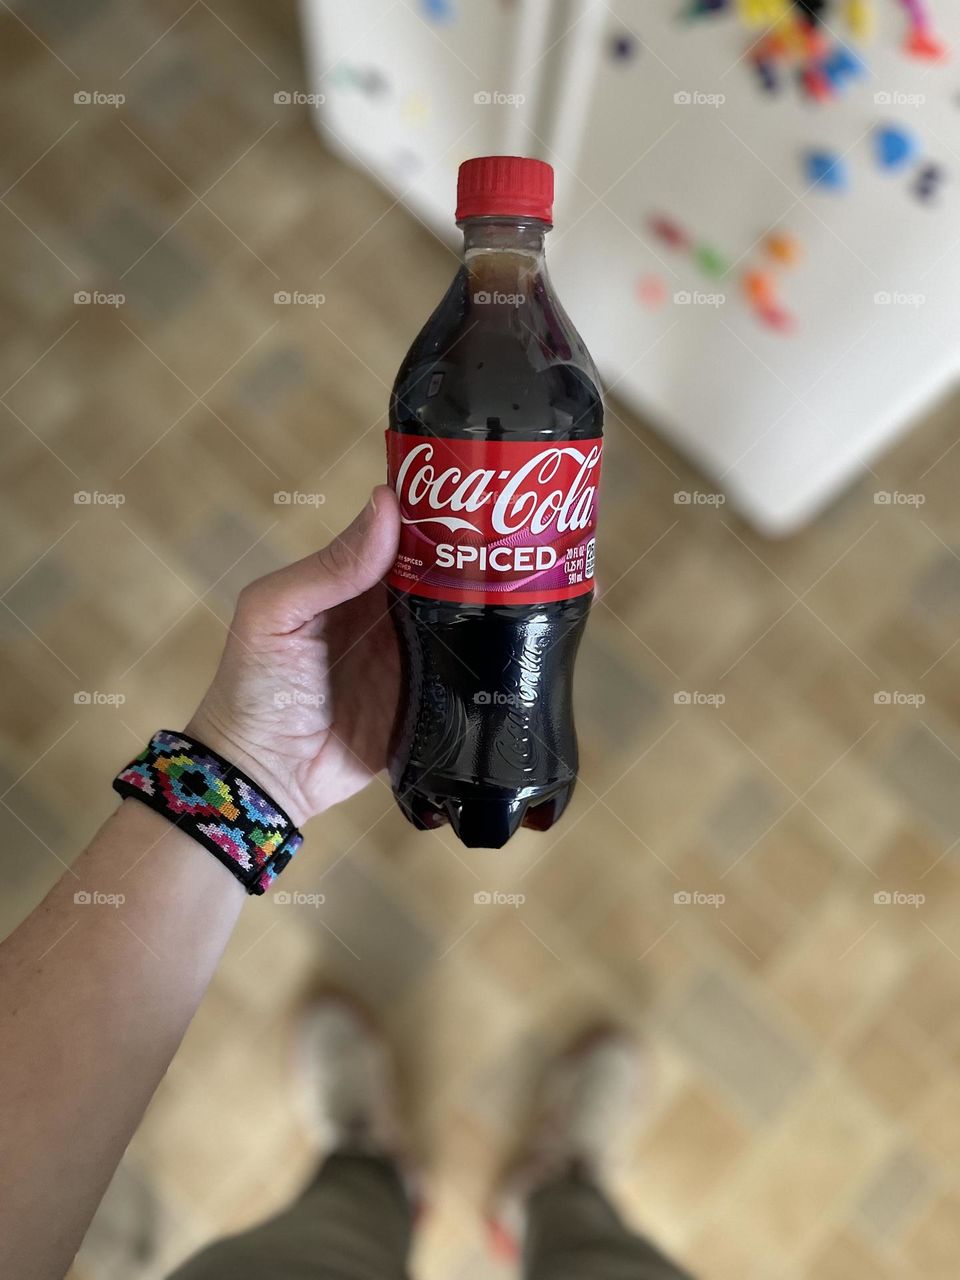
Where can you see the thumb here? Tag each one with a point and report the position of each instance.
(352, 563)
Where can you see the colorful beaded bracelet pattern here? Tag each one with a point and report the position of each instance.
(216, 804)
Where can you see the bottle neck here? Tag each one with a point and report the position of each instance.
(503, 235)
(503, 255)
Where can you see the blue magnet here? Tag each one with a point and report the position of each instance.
(827, 169)
(895, 146)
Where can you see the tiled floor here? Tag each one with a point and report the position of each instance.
(805, 1117)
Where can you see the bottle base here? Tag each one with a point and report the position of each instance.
(485, 822)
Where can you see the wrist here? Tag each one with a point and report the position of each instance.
(206, 727)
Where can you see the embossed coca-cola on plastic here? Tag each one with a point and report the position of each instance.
(494, 450)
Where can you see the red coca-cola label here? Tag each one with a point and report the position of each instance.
(494, 522)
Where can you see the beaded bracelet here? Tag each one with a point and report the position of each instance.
(212, 801)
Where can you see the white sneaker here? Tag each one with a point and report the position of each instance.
(585, 1119)
(349, 1082)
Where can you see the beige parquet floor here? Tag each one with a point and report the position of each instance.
(804, 1119)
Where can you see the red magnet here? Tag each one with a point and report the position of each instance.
(921, 44)
(670, 232)
(652, 291)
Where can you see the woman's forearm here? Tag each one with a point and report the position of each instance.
(97, 988)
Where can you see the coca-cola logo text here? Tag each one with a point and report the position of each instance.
(521, 499)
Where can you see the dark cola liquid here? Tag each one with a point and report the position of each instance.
(484, 736)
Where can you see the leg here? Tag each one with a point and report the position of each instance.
(354, 1222)
(551, 1209)
(574, 1233)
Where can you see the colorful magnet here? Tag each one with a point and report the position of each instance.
(921, 44)
(669, 232)
(842, 65)
(760, 13)
(815, 84)
(775, 317)
(438, 10)
(623, 46)
(894, 145)
(710, 261)
(700, 8)
(784, 248)
(652, 291)
(767, 73)
(812, 9)
(760, 288)
(827, 169)
(928, 182)
(815, 43)
(859, 15)
(772, 48)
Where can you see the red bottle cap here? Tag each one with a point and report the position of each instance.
(511, 186)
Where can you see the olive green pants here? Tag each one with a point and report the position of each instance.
(354, 1222)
